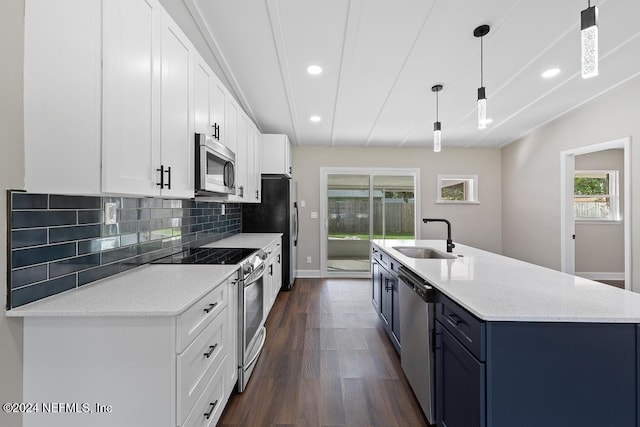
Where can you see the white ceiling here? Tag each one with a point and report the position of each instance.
(381, 57)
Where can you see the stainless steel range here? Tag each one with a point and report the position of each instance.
(251, 330)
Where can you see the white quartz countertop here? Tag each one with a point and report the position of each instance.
(246, 240)
(149, 290)
(497, 288)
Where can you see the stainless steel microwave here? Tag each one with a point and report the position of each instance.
(215, 167)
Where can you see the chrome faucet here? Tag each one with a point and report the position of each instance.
(450, 244)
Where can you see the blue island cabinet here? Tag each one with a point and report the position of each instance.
(506, 374)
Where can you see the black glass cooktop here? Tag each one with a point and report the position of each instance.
(207, 256)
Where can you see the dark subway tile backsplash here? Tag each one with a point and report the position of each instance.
(60, 242)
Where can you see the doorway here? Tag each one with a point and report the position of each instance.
(573, 230)
(359, 205)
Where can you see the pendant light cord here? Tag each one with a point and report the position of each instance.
(437, 119)
(481, 62)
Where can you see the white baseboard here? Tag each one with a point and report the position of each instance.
(308, 274)
(601, 275)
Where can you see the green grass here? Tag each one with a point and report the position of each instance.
(393, 236)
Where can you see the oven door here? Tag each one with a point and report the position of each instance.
(252, 330)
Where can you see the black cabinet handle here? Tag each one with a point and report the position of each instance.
(452, 318)
(216, 131)
(242, 191)
(271, 270)
(211, 307)
(162, 171)
(257, 195)
(212, 406)
(161, 183)
(212, 348)
(278, 259)
(386, 285)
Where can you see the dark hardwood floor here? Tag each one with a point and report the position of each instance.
(326, 361)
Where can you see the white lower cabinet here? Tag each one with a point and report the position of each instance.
(161, 371)
(273, 275)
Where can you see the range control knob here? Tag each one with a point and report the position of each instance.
(246, 268)
(262, 255)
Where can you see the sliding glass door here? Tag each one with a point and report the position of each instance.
(360, 206)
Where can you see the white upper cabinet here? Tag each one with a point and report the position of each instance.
(177, 140)
(276, 154)
(62, 104)
(254, 184)
(242, 163)
(202, 96)
(113, 102)
(131, 95)
(146, 102)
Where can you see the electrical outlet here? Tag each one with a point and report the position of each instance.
(303, 204)
(223, 210)
(308, 260)
(314, 215)
(110, 213)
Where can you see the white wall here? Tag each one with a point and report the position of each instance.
(600, 246)
(11, 176)
(531, 175)
(475, 225)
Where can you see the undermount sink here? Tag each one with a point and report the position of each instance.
(422, 252)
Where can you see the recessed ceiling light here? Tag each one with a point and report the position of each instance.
(314, 70)
(315, 118)
(551, 73)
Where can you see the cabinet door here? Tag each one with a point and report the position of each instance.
(460, 383)
(253, 166)
(277, 273)
(276, 154)
(62, 96)
(218, 109)
(232, 312)
(268, 287)
(242, 160)
(202, 96)
(177, 140)
(231, 128)
(376, 285)
(386, 306)
(131, 94)
(395, 310)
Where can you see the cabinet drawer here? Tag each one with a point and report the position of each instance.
(272, 248)
(209, 407)
(468, 329)
(385, 260)
(198, 363)
(197, 317)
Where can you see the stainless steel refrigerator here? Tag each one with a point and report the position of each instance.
(277, 213)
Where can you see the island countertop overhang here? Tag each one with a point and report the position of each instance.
(498, 288)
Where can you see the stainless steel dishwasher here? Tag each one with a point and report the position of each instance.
(417, 318)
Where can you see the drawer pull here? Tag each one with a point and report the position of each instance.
(211, 307)
(453, 319)
(212, 406)
(212, 348)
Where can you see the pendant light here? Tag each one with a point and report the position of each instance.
(589, 30)
(437, 126)
(480, 32)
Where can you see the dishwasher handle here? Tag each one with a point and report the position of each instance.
(417, 284)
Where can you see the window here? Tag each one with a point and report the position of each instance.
(596, 195)
(457, 189)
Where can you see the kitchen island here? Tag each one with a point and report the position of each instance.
(519, 344)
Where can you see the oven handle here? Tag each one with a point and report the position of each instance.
(255, 276)
(255, 357)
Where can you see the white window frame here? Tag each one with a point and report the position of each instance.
(471, 185)
(613, 196)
